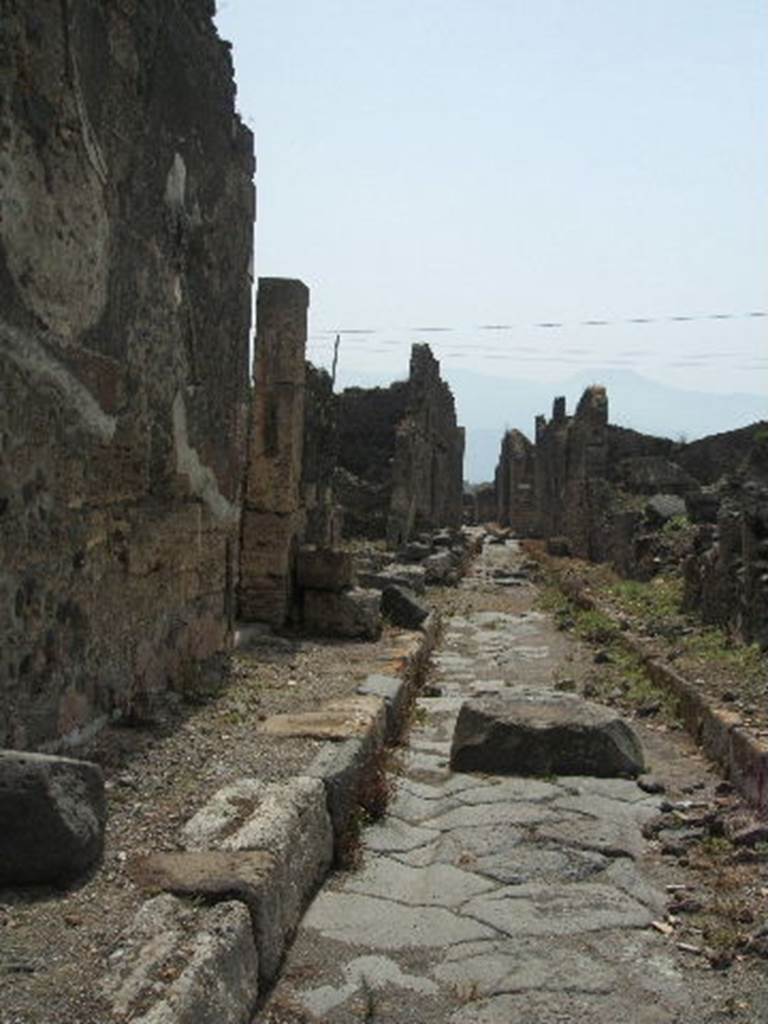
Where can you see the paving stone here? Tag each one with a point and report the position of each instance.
(369, 972)
(395, 836)
(529, 862)
(385, 924)
(470, 816)
(524, 965)
(438, 885)
(513, 790)
(613, 838)
(538, 909)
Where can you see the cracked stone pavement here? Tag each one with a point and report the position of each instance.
(485, 899)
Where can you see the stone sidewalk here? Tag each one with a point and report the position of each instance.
(487, 899)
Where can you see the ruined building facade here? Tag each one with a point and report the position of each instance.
(125, 256)
(401, 455)
(603, 491)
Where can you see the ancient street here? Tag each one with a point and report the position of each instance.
(487, 899)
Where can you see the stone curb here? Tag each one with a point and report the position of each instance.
(261, 892)
(719, 733)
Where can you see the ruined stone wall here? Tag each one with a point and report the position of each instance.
(514, 484)
(273, 518)
(711, 458)
(321, 447)
(726, 575)
(401, 455)
(427, 480)
(125, 247)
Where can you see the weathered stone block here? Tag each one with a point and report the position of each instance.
(354, 613)
(543, 733)
(186, 965)
(402, 607)
(52, 815)
(290, 822)
(324, 569)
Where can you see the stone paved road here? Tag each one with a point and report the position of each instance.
(483, 899)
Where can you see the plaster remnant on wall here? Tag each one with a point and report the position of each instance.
(202, 481)
(30, 357)
(176, 183)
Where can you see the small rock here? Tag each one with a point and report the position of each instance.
(650, 784)
(603, 658)
(751, 835)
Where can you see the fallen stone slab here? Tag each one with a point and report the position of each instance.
(335, 720)
(184, 964)
(549, 733)
(287, 820)
(402, 607)
(52, 816)
(352, 613)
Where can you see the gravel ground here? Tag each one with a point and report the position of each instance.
(54, 945)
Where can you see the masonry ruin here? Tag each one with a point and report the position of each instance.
(125, 278)
(401, 454)
(601, 492)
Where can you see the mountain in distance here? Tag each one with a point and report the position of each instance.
(488, 406)
(633, 401)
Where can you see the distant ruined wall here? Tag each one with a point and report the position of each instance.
(427, 481)
(273, 518)
(726, 576)
(125, 253)
(606, 491)
(514, 484)
(401, 455)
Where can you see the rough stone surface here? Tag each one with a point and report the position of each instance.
(350, 613)
(336, 720)
(290, 822)
(401, 454)
(543, 734)
(206, 957)
(125, 248)
(272, 520)
(395, 574)
(402, 607)
(324, 569)
(52, 816)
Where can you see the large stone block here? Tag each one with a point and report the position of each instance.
(186, 965)
(324, 569)
(289, 822)
(543, 733)
(354, 613)
(52, 815)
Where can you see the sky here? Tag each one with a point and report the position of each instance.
(510, 170)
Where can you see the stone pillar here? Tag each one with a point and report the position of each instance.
(272, 510)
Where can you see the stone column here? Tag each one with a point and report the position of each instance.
(272, 512)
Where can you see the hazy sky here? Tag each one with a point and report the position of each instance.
(464, 163)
